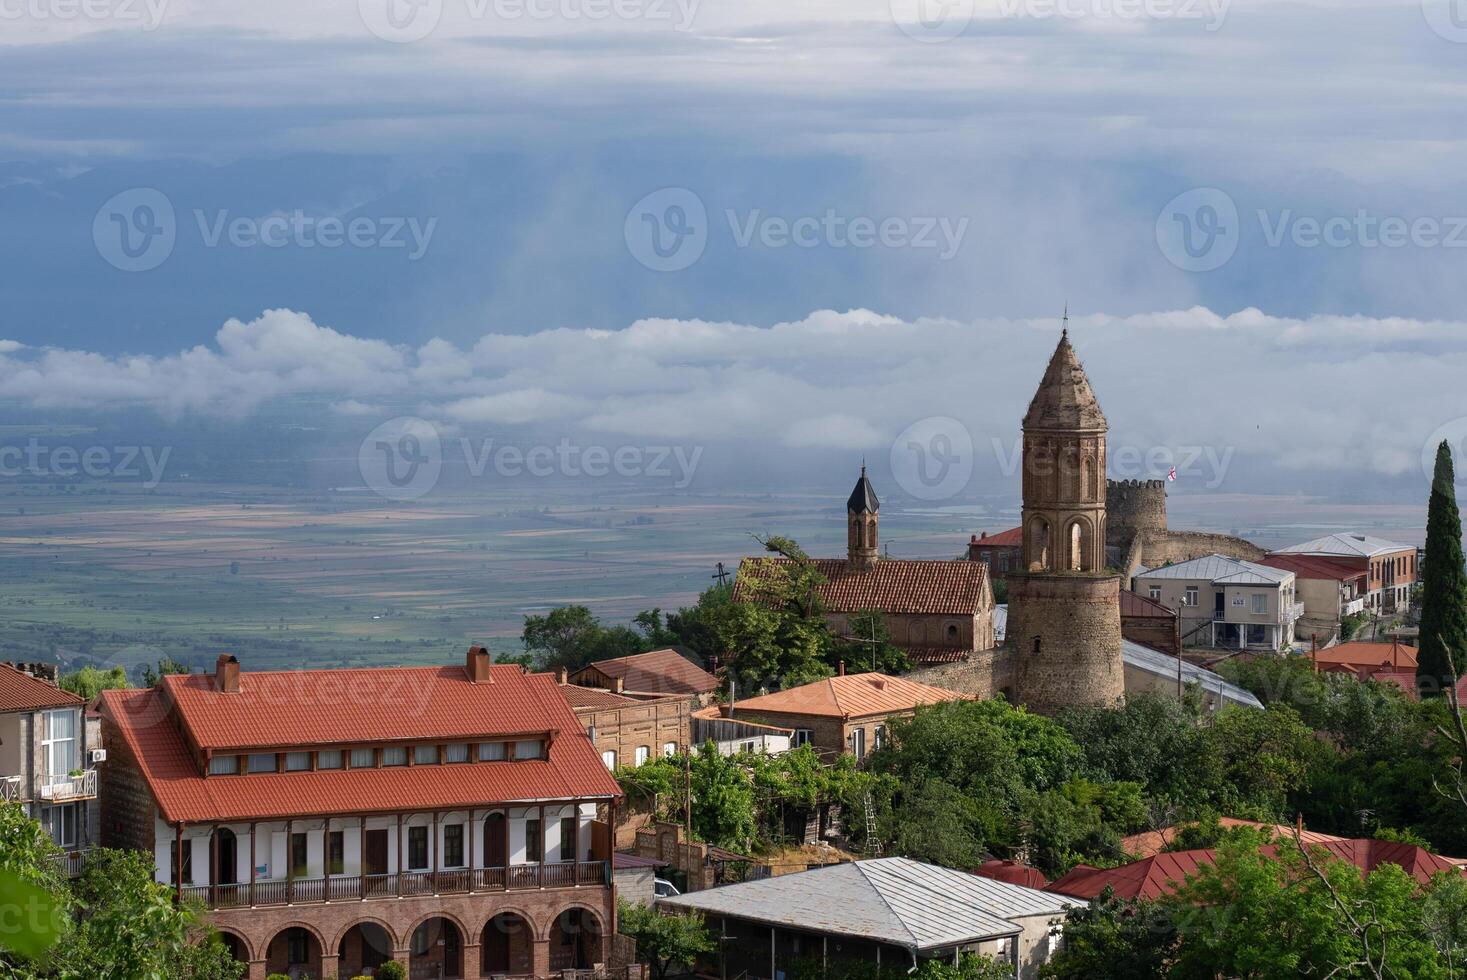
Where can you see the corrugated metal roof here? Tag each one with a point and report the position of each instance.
(852, 696)
(1220, 569)
(893, 900)
(1160, 664)
(1350, 545)
(1000, 622)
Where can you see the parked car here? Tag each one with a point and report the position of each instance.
(664, 888)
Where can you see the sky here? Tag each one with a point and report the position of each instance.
(808, 225)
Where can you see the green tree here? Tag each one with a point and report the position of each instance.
(167, 665)
(1114, 939)
(88, 682)
(664, 941)
(570, 637)
(1443, 644)
(866, 645)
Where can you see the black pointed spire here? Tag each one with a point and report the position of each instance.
(863, 497)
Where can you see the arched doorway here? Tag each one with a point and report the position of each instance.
(294, 952)
(226, 846)
(236, 947)
(365, 946)
(575, 940)
(1039, 545)
(496, 841)
(435, 951)
(505, 945)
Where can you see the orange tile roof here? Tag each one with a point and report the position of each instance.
(574, 770)
(1361, 654)
(852, 696)
(1153, 842)
(655, 672)
(1162, 874)
(594, 699)
(286, 708)
(20, 691)
(893, 585)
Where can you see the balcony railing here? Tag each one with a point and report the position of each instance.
(70, 787)
(360, 888)
(11, 789)
(1296, 609)
(72, 863)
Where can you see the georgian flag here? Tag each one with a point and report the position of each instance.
(1172, 475)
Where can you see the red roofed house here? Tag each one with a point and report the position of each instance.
(444, 817)
(658, 673)
(47, 751)
(848, 713)
(937, 611)
(1164, 873)
(1001, 552)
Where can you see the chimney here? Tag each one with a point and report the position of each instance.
(618, 684)
(842, 668)
(726, 710)
(477, 666)
(562, 676)
(226, 674)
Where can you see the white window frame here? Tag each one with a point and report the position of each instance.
(669, 749)
(56, 815)
(641, 755)
(803, 736)
(1258, 603)
(1154, 591)
(609, 758)
(50, 744)
(1190, 596)
(858, 744)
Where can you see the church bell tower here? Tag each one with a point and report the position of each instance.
(1064, 604)
(861, 508)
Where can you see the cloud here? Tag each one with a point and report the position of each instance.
(1321, 393)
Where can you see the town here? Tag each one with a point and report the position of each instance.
(1089, 745)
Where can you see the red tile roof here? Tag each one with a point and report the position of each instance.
(20, 691)
(656, 672)
(1012, 538)
(935, 655)
(1358, 655)
(1163, 873)
(852, 696)
(286, 708)
(1153, 842)
(1133, 604)
(893, 585)
(514, 703)
(1316, 566)
(1011, 872)
(594, 699)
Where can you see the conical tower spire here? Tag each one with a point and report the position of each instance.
(1064, 399)
(863, 498)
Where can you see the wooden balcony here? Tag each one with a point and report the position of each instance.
(364, 888)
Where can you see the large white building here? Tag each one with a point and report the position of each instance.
(1227, 602)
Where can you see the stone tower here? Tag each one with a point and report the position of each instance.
(1064, 606)
(861, 508)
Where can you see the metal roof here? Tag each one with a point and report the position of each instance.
(1220, 570)
(891, 900)
(1351, 545)
(1000, 622)
(863, 498)
(1165, 665)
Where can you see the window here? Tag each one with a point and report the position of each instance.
(297, 947)
(457, 752)
(952, 634)
(298, 855)
(425, 755)
(641, 756)
(394, 756)
(188, 862)
(453, 845)
(491, 751)
(263, 762)
(858, 743)
(1003, 563)
(609, 757)
(363, 758)
(60, 823)
(330, 759)
(1155, 593)
(880, 736)
(802, 737)
(1190, 598)
(534, 842)
(59, 742)
(533, 748)
(224, 765)
(297, 761)
(336, 853)
(417, 848)
(669, 748)
(747, 747)
(1259, 604)
(567, 838)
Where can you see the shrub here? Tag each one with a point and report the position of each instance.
(391, 970)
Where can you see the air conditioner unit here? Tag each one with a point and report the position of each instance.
(99, 755)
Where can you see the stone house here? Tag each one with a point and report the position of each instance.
(630, 731)
(657, 673)
(330, 820)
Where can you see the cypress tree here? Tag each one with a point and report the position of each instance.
(1444, 585)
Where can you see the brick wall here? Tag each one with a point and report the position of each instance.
(123, 797)
(652, 724)
(982, 675)
(1156, 632)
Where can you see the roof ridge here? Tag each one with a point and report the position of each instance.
(861, 867)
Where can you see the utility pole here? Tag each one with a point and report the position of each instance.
(872, 642)
(688, 795)
(721, 575)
